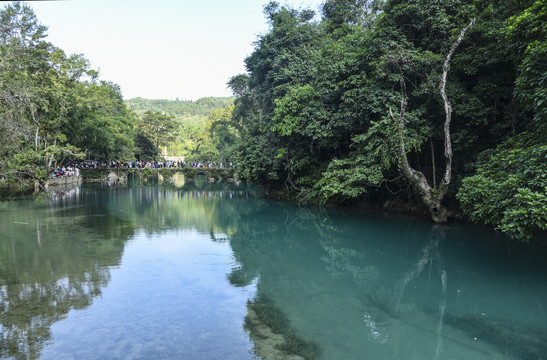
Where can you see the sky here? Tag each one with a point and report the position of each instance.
(160, 49)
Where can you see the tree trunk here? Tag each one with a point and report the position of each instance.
(434, 170)
(431, 196)
(223, 159)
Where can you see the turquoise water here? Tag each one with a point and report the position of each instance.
(150, 272)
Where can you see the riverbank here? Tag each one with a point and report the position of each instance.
(75, 180)
(392, 205)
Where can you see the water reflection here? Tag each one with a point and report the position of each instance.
(342, 284)
(389, 286)
(48, 269)
(178, 180)
(57, 252)
(63, 194)
(201, 181)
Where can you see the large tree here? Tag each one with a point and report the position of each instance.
(159, 128)
(431, 195)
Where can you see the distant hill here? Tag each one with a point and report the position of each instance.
(180, 108)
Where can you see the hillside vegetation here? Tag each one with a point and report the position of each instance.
(179, 108)
(190, 133)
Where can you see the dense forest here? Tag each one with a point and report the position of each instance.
(439, 105)
(434, 106)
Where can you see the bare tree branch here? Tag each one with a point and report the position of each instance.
(448, 107)
(430, 195)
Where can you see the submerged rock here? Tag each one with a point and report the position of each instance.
(272, 339)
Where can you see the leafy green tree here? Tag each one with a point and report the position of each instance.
(431, 195)
(159, 128)
(21, 46)
(239, 84)
(338, 14)
(216, 139)
(190, 135)
(509, 188)
(224, 135)
(283, 58)
(104, 126)
(144, 148)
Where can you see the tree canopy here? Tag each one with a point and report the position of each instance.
(53, 108)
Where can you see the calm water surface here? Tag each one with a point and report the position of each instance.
(215, 271)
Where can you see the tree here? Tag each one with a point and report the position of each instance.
(21, 47)
(316, 111)
(158, 127)
(35, 88)
(431, 196)
(223, 134)
(339, 13)
(102, 124)
(239, 84)
(282, 60)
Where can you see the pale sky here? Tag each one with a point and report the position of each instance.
(160, 49)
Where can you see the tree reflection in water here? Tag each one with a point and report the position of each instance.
(52, 261)
(57, 251)
(327, 267)
(351, 282)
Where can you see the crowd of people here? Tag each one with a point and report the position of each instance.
(74, 167)
(167, 164)
(66, 171)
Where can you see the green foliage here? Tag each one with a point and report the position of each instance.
(52, 107)
(316, 90)
(349, 178)
(509, 189)
(103, 125)
(526, 34)
(179, 108)
(223, 134)
(147, 172)
(239, 84)
(291, 112)
(158, 127)
(191, 133)
(283, 61)
(338, 13)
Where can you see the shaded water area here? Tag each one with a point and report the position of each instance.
(215, 271)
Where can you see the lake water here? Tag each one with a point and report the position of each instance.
(211, 271)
